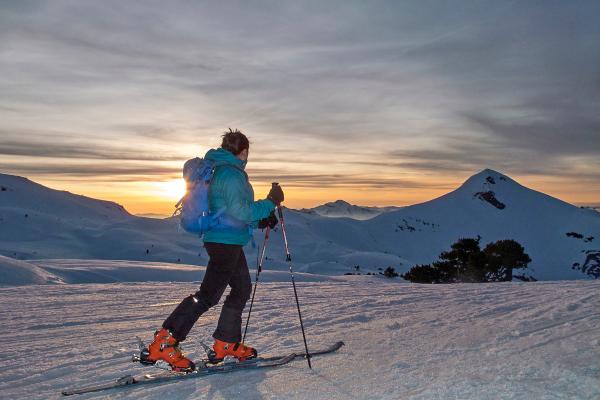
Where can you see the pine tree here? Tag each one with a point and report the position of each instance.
(503, 257)
(390, 272)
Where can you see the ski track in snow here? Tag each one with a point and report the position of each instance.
(403, 341)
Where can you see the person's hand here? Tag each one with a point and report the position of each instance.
(276, 194)
(271, 221)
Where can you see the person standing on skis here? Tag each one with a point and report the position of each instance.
(231, 193)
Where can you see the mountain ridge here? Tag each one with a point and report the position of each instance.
(562, 239)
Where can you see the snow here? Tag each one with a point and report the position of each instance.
(403, 341)
(37, 223)
(16, 272)
(114, 271)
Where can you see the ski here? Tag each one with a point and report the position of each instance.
(130, 380)
(169, 376)
(331, 349)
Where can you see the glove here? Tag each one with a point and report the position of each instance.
(271, 221)
(276, 194)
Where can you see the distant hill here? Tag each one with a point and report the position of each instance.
(343, 209)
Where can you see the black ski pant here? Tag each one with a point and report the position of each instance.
(226, 266)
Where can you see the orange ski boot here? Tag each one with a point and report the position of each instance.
(237, 350)
(166, 348)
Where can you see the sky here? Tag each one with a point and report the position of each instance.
(376, 103)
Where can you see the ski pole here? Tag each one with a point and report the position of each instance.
(288, 258)
(259, 265)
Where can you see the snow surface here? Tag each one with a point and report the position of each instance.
(41, 223)
(403, 341)
(118, 271)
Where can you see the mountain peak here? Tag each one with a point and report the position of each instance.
(489, 178)
(339, 203)
(492, 187)
(491, 173)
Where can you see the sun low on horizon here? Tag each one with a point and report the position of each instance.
(173, 189)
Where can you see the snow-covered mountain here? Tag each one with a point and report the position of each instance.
(562, 239)
(343, 209)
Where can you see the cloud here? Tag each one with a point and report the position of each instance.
(97, 172)
(79, 151)
(338, 87)
(557, 134)
(307, 180)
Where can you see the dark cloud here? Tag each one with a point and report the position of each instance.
(555, 135)
(80, 151)
(529, 86)
(100, 171)
(468, 156)
(290, 179)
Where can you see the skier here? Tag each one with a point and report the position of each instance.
(230, 191)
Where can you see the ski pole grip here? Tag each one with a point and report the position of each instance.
(278, 206)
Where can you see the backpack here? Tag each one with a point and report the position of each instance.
(193, 207)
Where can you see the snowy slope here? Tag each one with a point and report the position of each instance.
(343, 209)
(31, 230)
(563, 240)
(19, 193)
(17, 272)
(403, 341)
(38, 222)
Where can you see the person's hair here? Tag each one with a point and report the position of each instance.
(235, 141)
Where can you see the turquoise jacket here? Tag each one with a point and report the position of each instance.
(230, 192)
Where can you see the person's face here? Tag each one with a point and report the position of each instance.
(243, 155)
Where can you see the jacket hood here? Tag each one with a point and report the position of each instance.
(224, 157)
